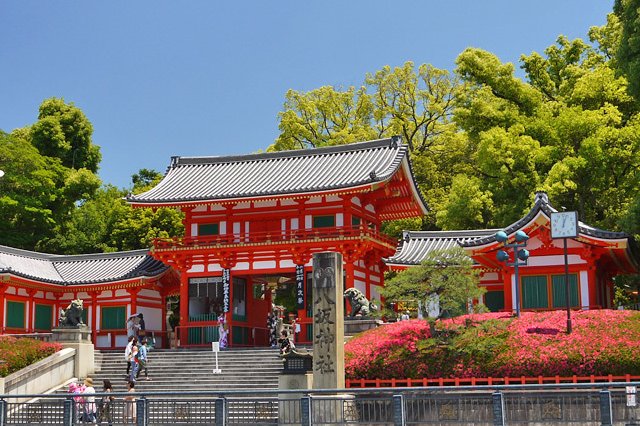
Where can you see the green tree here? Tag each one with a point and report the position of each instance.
(27, 190)
(628, 52)
(569, 129)
(63, 131)
(445, 276)
(416, 103)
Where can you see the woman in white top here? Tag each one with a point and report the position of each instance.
(89, 401)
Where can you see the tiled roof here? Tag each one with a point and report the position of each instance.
(415, 245)
(278, 173)
(541, 204)
(79, 269)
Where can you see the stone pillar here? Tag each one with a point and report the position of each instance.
(78, 338)
(328, 321)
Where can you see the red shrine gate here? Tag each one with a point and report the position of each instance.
(253, 222)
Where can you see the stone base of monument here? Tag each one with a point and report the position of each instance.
(289, 403)
(80, 340)
(355, 326)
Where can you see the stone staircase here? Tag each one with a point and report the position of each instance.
(192, 370)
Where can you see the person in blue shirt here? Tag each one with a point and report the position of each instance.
(143, 359)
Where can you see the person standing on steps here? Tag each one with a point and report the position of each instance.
(143, 359)
(141, 327)
(105, 413)
(134, 362)
(127, 354)
(130, 405)
(89, 414)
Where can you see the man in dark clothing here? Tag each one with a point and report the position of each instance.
(141, 328)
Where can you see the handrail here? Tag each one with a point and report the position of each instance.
(272, 237)
(487, 381)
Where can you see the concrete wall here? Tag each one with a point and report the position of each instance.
(41, 376)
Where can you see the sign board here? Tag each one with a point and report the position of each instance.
(300, 286)
(631, 396)
(215, 346)
(226, 296)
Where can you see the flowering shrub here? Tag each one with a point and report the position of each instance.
(16, 354)
(497, 345)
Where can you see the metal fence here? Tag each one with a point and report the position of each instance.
(584, 404)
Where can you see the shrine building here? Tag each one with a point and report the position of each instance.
(35, 286)
(595, 257)
(253, 222)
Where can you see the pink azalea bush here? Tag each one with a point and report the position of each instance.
(497, 345)
(16, 354)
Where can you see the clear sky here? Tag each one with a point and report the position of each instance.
(203, 77)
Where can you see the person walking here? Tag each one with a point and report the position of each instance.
(134, 362)
(143, 359)
(127, 354)
(105, 412)
(89, 412)
(141, 327)
(130, 405)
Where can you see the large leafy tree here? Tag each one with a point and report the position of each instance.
(628, 50)
(414, 102)
(106, 223)
(570, 129)
(63, 131)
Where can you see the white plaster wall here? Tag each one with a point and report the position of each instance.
(149, 293)
(370, 208)
(121, 341)
(265, 264)
(308, 221)
(287, 264)
(121, 293)
(359, 274)
(223, 227)
(490, 276)
(288, 203)
(152, 317)
(356, 201)
(360, 285)
(375, 292)
(374, 278)
(283, 224)
(194, 229)
(22, 292)
(270, 203)
(339, 219)
(214, 267)
(584, 289)
(196, 268)
(554, 260)
(103, 341)
(314, 200)
(294, 223)
(333, 198)
(241, 266)
(11, 290)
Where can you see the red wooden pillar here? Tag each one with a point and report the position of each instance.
(3, 288)
(508, 292)
(133, 292)
(593, 286)
(94, 315)
(32, 308)
(184, 307)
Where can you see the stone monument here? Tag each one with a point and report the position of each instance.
(73, 333)
(328, 321)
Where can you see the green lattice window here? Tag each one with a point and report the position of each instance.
(324, 221)
(560, 292)
(113, 317)
(355, 221)
(494, 300)
(535, 294)
(43, 317)
(15, 314)
(205, 229)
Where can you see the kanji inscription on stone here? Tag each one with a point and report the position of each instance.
(328, 321)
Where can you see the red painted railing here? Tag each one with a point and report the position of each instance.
(275, 237)
(477, 381)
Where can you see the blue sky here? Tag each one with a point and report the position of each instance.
(199, 77)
